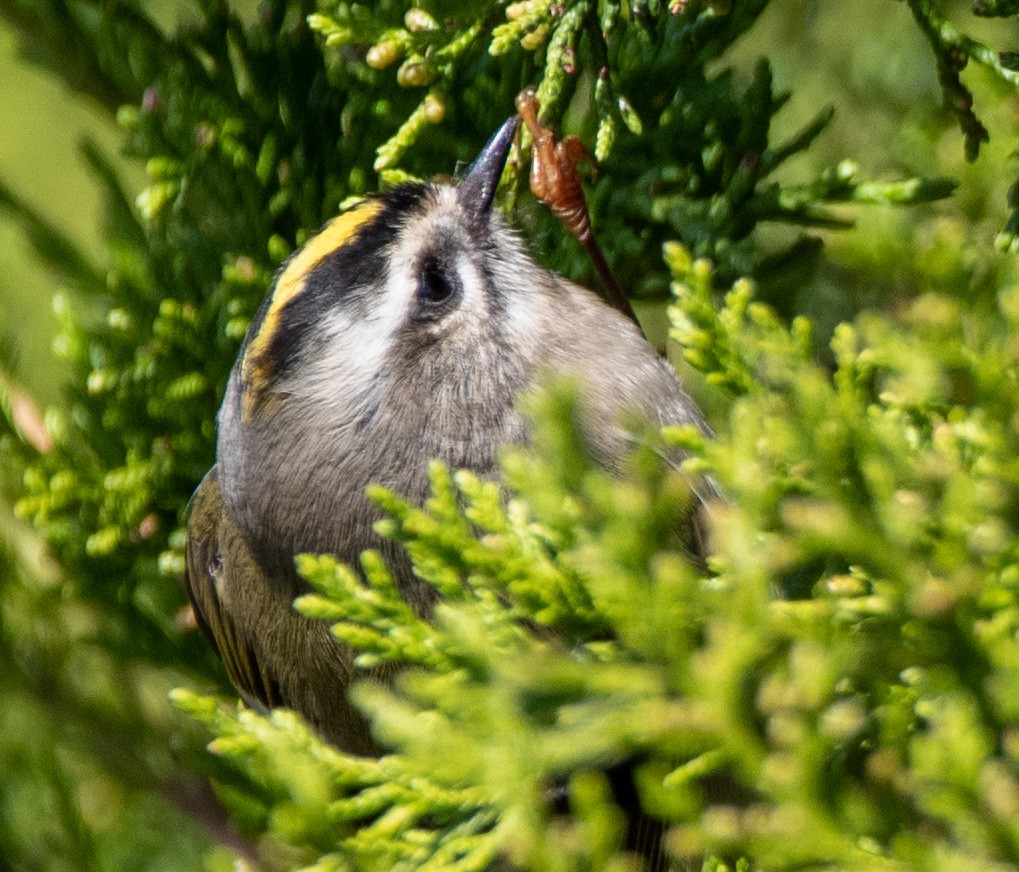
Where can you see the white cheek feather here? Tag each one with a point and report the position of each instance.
(474, 304)
(339, 372)
(528, 310)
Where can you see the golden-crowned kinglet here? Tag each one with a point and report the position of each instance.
(403, 331)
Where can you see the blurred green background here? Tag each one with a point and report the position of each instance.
(39, 159)
(67, 799)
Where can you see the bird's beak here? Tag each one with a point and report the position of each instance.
(477, 190)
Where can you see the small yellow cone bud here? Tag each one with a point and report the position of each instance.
(414, 74)
(434, 109)
(519, 10)
(382, 54)
(417, 20)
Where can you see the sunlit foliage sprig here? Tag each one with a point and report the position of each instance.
(849, 668)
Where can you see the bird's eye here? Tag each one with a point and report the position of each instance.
(435, 286)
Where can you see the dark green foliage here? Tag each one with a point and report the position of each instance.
(635, 80)
(1000, 8)
(837, 689)
(953, 50)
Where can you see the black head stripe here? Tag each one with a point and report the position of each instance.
(349, 253)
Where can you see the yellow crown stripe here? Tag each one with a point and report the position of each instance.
(334, 235)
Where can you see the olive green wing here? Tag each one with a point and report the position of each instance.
(219, 566)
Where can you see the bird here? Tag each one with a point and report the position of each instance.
(403, 332)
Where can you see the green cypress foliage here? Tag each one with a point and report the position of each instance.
(837, 689)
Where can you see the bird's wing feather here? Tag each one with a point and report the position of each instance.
(215, 552)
